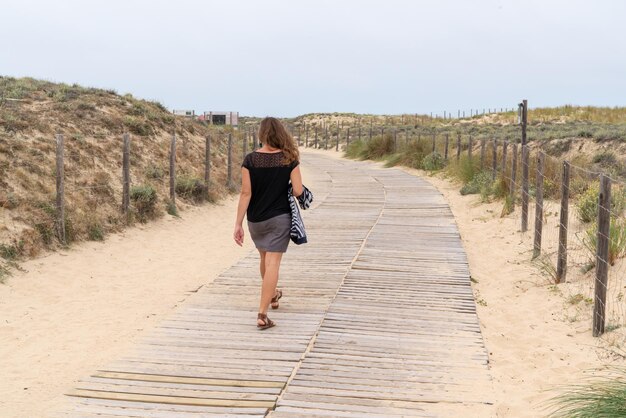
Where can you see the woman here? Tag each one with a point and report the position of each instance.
(265, 176)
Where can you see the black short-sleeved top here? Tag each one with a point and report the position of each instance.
(269, 177)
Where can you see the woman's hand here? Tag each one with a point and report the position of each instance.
(238, 235)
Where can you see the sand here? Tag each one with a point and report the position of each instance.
(72, 311)
(76, 309)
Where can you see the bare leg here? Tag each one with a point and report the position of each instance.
(262, 266)
(262, 263)
(270, 280)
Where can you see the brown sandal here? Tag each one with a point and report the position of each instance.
(268, 323)
(276, 298)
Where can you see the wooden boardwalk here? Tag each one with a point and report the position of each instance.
(378, 320)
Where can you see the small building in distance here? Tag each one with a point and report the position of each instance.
(187, 113)
(221, 118)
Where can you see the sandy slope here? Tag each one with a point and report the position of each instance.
(75, 310)
(72, 311)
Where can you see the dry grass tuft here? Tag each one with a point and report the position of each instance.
(92, 121)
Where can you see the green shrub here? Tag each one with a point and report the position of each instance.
(501, 188)
(85, 107)
(465, 169)
(63, 93)
(159, 106)
(603, 397)
(413, 154)
(191, 188)
(155, 172)
(605, 158)
(70, 231)
(137, 126)
(480, 183)
(393, 160)
(11, 251)
(144, 200)
(138, 109)
(171, 208)
(617, 240)
(95, 231)
(587, 203)
(508, 207)
(46, 231)
(356, 149)
(433, 161)
(378, 147)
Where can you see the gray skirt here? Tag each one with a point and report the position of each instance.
(272, 234)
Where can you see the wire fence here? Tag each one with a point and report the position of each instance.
(571, 219)
(79, 189)
(575, 239)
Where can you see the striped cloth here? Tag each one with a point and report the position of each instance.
(297, 231)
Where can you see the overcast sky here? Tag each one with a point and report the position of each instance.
(285, 58)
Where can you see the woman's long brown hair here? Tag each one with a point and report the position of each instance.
(273, 133)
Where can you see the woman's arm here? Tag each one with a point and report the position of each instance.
(242, 207)
(296, 181)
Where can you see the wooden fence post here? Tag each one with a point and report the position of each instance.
(513, 175)
(306, 136)
(207, 164)
(255, 141)
(316, 145)
(525, 157)
(483, 147)
(347, 137)
(458, 148)
(494, 163)
(505, 148)
(445, 148)
(326, 137)
(561, 264)
(126, 174)
(469, 148)
(173, 169)
(337, 144)
(395, 140)
(539, 205)
(602, 255)
(524, 120)
(244, 148)
(229, 181)
(359, 132)
(434, 142)
(60, 197)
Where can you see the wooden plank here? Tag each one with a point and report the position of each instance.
(188, 380)
(176, 400)
(174, 391)
(172, 409)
